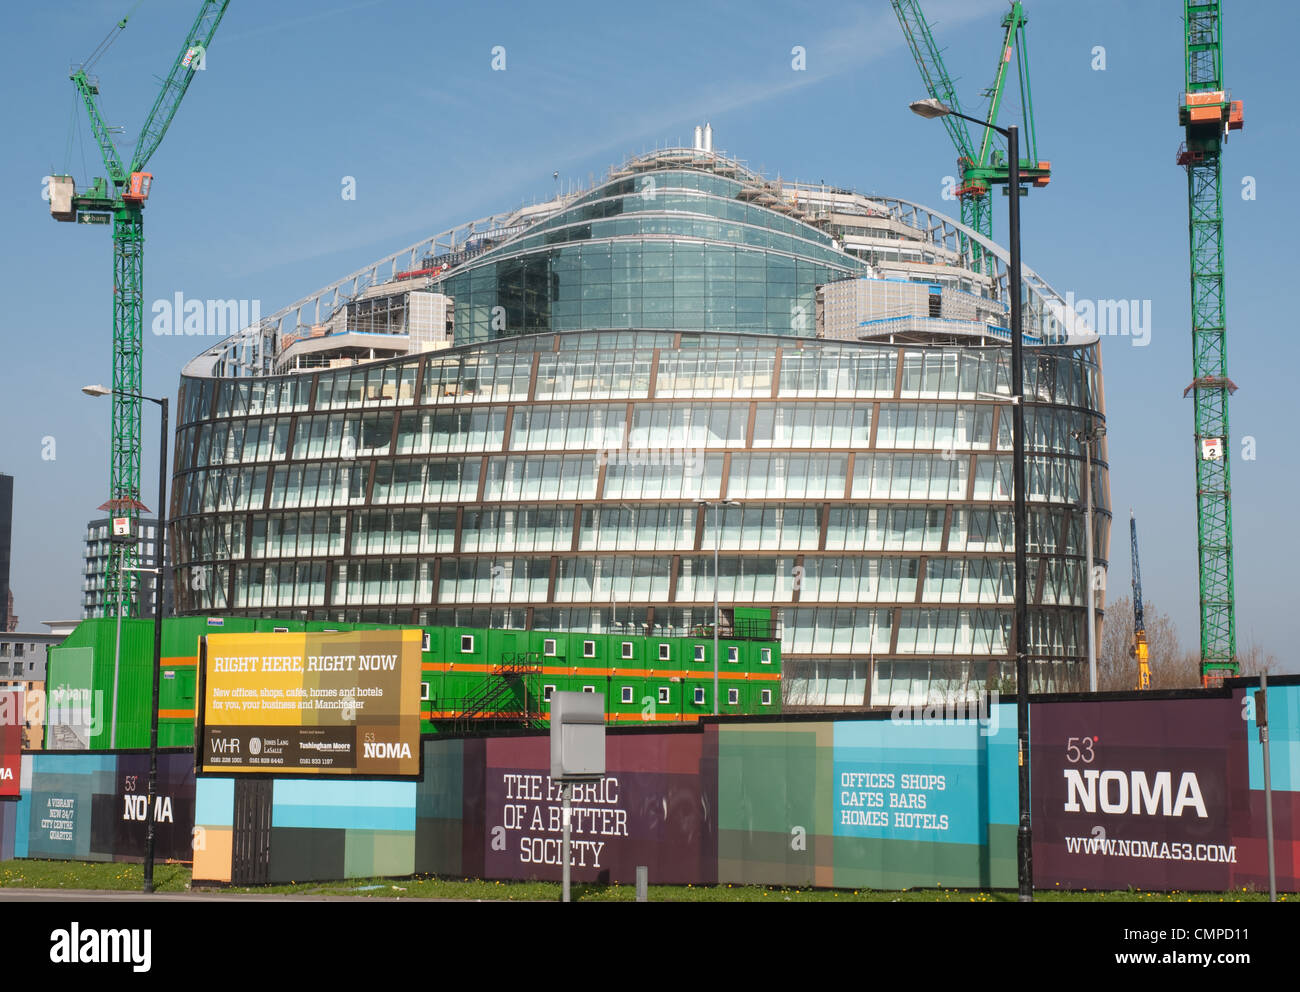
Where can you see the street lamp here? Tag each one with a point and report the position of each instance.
(1024, 845)
(717, 539)
(932, 108)
(1085, 439)
(161, 517)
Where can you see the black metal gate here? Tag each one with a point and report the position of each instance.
(251, 843)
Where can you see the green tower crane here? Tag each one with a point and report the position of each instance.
(120, 199)
(1207, 114)
(981, 165)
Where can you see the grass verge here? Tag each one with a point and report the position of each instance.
(176, 878)
(102, 875)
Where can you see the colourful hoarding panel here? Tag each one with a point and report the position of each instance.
(441, 833)
(1147, 793)
(774, 802)
(316, 703)
(1249, 831)
(214, 821)
(92, 807)
(173, 813)
(8, 829)
(57, 812)
(341, 829)
(880, 803)
(925, 803)
(318, 829)
(11, 742)
(649, 809)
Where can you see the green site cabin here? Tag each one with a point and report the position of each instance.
(473, 678)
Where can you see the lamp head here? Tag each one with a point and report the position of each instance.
(930, 108)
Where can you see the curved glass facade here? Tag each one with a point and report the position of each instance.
(550, 481)
(669, 249)
(651, 345)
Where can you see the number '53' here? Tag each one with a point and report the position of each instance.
(1079, 749)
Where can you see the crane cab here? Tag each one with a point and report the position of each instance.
(138, 189)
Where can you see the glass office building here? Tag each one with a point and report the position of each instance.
(610, 385)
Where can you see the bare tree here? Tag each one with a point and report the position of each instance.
(1180, 670)
(1254, 660)
(1172, 666)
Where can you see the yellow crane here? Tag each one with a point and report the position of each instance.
(1138, 649)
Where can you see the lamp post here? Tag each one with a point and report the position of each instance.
(117, 647)
(1024, 844)
(161, 517)
(1085, 439)
(717, 540)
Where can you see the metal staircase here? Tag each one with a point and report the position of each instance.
(510, 678)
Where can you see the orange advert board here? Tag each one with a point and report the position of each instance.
(344, 703)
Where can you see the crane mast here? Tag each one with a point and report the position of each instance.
(119, 199)
(1207, 114)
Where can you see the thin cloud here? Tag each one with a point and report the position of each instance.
(294, 22)
(834, 53)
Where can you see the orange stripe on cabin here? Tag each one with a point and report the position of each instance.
(571, 671)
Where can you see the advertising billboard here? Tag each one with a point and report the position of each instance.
(11, 741)
(321, 703)
(70, 700)
(1138, 793)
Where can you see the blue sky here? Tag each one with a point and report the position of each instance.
(401, 96)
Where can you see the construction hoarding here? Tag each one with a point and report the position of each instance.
(1162, 792)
